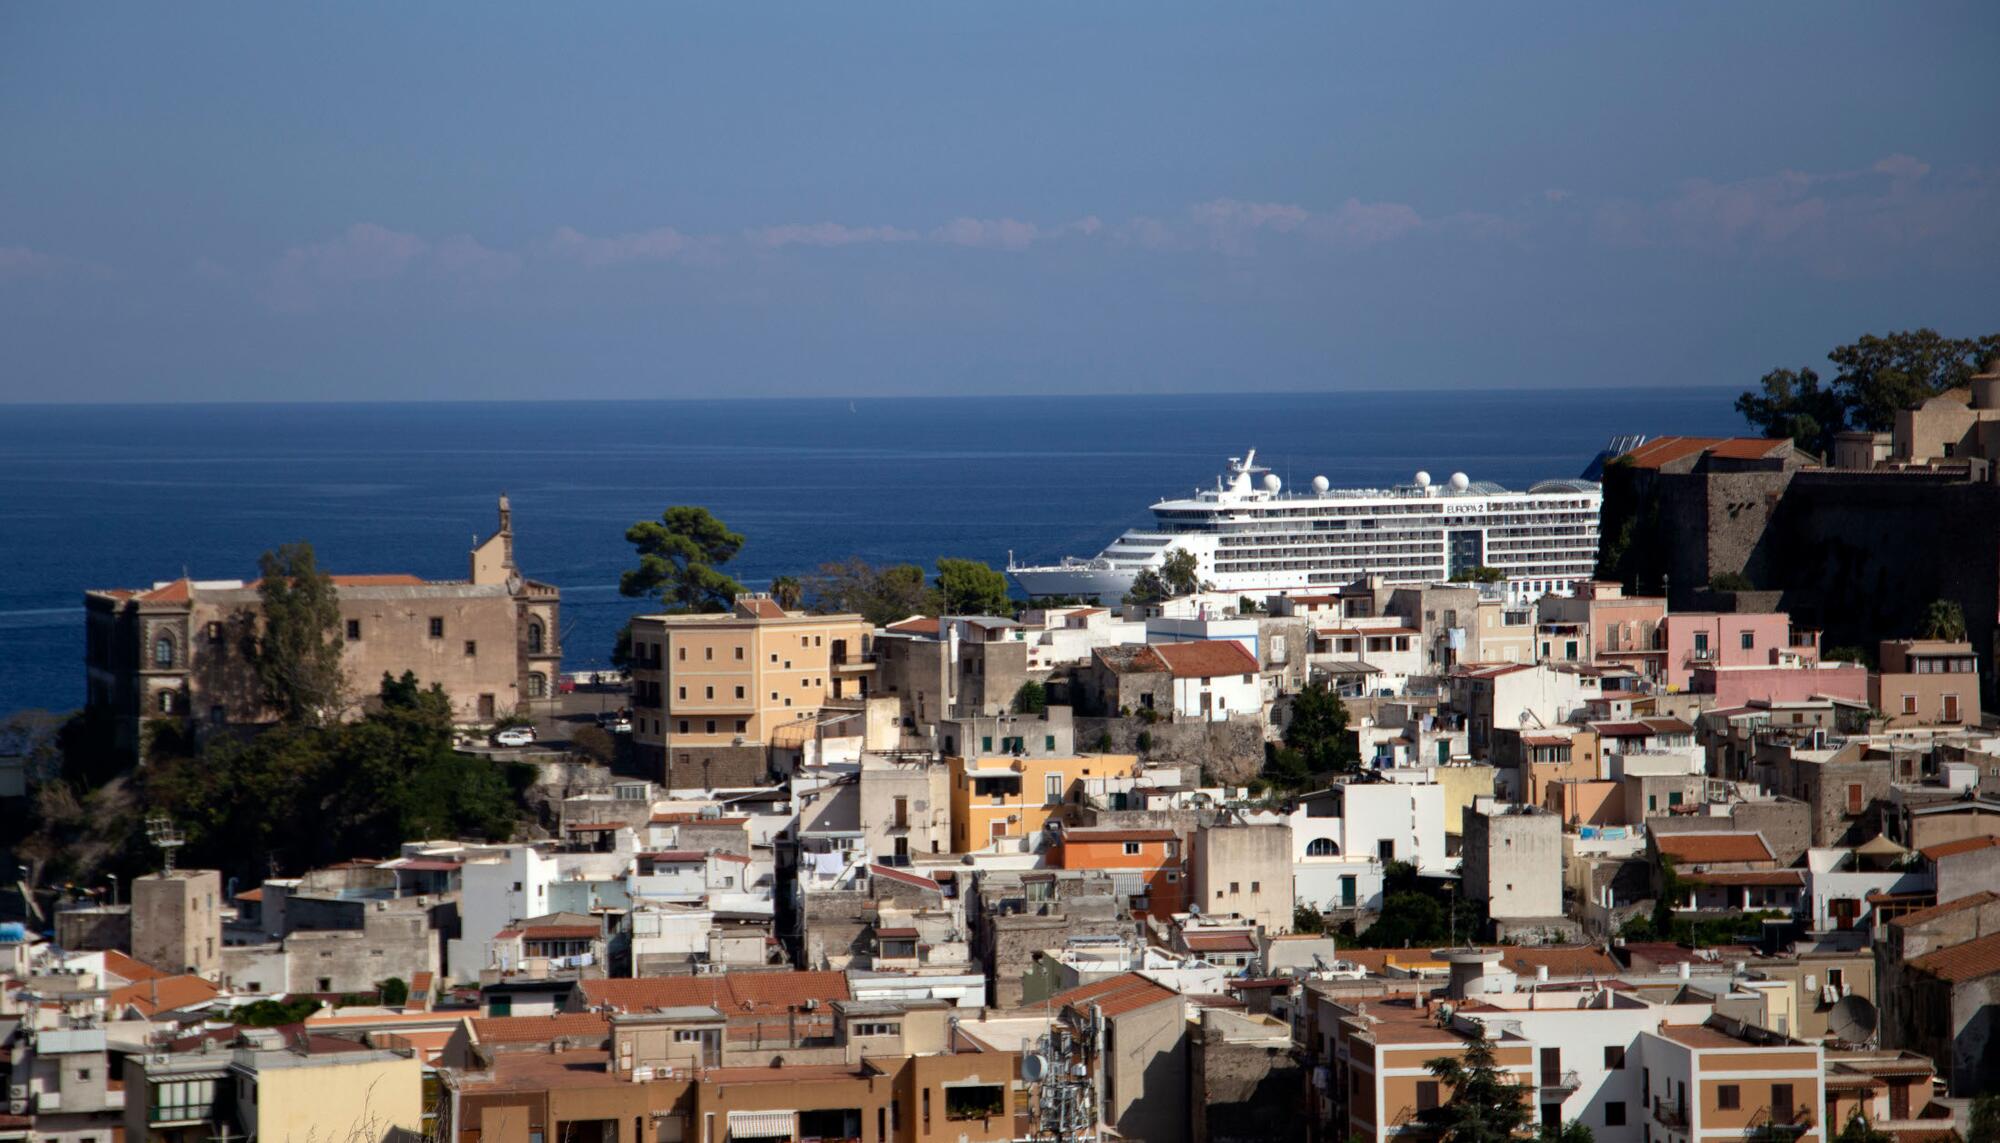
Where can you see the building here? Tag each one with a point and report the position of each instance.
(1726, 1079)
(1519, 696)
(1147, 865)
(1143, 1068)
(1011, 775)
(1243, 1079)
(1600, 623)
(713, 693)
(266, 1088)
(1513, 861)
(1940, 983)
(1343, 838)
(1197, 681)
(177, 921)
(1697, 639)
(1247, 870)
(1926, 682)
(182, 649)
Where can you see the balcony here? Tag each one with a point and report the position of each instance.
(1670, 1113)
(1560, 1083)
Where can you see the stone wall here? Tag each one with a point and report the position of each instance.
(716, 767)
(1242, 1093)
(1786, 824)
(102, 927)
(1230, 752)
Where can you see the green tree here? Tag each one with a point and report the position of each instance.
(1574, 1131)
(1181, 571)
(273, 1013)
(1849, 655)
(1731, 581)
(968, 587)
(1876, 378)
(788, 592)
(1032, 698)
(1859, 1130)
(1148, 587)
(1484, 1104)
(1286, 768)
(1318, 730)
(1944, 619)
(678, 558)
(881, 595)
(1409, 919)
(1791, 403)
(1480, 574)
(395, 991)
(1306, 919)
(298, 656)
(1984, 1124)
(594, 743)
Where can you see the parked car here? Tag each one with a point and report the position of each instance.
(619, 724)
(515, 736)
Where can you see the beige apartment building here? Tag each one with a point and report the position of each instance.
(182, 650)
(1926, 682)
(712, 693)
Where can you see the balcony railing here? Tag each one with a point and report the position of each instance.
(1670, 1113)
(1564, 1082)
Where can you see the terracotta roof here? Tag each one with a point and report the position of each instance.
(1962, 962)
(129, 968)
(256, 894)
(1962, 845)
(1710, 848)
(179, 591)
(1545, 740)
(1123, 993)
(561, 932)
(1206, 659)
(1560, 960)
(1918, 917)
(760, 607)
(1491, 671)
(164, 994)
(904, 877)
(1669, 725)
(1666, 450)
(1632, 729)
(915, 625)
(732, 993)
(1108, 834)
(540, 1029)
(1701, 1036)
(897, 934)
(1220, 942)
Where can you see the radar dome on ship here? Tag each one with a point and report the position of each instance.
(1321, 484)
(1272, 483)
(1423, 479)
(1460, 482)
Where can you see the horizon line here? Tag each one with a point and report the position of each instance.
(758, 398)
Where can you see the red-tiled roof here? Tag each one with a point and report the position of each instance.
(1206, 659)
(760, 607)
(1919, 916)
(1560, 960)
(1544, 740)
(1748, 877)
(1220, 942)
(540, 1029)
(1711, 848)
(1633, 729)
(732, 993)
(163, 994)
(1125, 992)
(1666, 450)
(561, 932)
(1491, 670)
(915, 625)
(129, 968)
(179, 591)
(1962, 845)
(256, 894)
(904, 877)
(1962, 962)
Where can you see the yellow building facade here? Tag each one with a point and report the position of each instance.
(1002, 797)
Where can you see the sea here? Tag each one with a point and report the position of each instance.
(96, 496)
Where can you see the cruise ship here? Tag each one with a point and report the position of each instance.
(1251, 536)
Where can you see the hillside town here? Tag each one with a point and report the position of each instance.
(1691, 850)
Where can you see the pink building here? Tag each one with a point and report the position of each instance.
(1604, 625)
(1740, 686)
(1731, 639)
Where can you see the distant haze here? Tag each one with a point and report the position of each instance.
(497, 201)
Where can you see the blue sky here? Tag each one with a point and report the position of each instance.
(427, 201)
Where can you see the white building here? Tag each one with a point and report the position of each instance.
(1212, 680)
(1518, 696)
(1343, 837)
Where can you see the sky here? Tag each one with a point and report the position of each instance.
(502, 201)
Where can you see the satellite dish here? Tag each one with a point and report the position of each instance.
(1460, 482)
(1853, 1020)
(1033, 1067)
(1321, 484)
(1272, 482)
(1423, 479)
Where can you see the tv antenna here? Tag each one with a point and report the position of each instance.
(165, 836)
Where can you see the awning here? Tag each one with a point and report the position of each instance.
(993, 773)
(761, 1124)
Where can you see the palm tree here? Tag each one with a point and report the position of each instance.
(1945, 619)
(788, 592)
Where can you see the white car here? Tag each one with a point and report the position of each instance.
(619, 726)
(515, 736)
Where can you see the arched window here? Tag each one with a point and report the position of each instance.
(538, 685)
(1322, 847)
(534, 638)
(166, 702)
(163, 651)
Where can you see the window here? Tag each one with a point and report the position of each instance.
(214, 632)
(986, 744)
(739, 692)
(1256, 886)
(1385, 849)
(1427, 1095)
(534, 638)
(681, 653)
(1614, 1113)
(437, 626)
(1909, 704)
(709, 692)
(166, 702)
(1052, 789)
(683, 694)
(710, 725)
(1701, 642)
(1131, 849)
(1049, 740)
(471, 647)
(1748, 640)
(354, 630)
(739, 654)
(1321, 847)
(538, 685)
(215, 716)
(1614, 1057)
(1728, 1097)
(1234, 888)
(163, 651)
(1781, 1102)
(684, 725)
(877, 1029)
(708, 653)
(974, 1101)
(742, 725)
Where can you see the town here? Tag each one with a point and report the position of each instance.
(1704, 845)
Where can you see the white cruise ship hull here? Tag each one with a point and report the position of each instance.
(1102, 584)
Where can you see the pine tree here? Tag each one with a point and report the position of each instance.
(1483, 1105)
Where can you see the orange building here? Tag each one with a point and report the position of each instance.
(1381, 1052)
(1148, 865)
